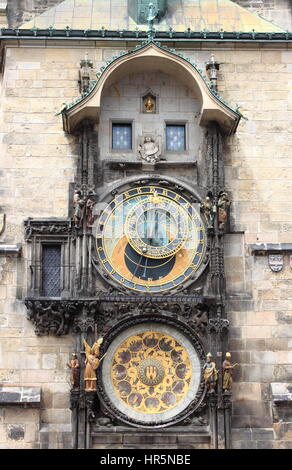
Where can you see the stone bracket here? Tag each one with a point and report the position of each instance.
(11, 250)
(20, 396)
(265, 248)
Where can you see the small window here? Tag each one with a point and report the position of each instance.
(51, 271)
(122, 136)
(175, 137)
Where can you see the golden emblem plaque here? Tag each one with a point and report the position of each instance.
(151, 372)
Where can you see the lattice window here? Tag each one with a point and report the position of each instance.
(175, 137)
(122, 136)
(51, 271)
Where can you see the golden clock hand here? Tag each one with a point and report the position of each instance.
(145, 267)
(138, 265)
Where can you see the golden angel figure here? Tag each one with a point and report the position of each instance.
(91, 364)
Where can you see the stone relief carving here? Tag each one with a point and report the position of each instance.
(149, 148)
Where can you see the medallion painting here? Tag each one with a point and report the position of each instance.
(154, 374)
(151, 372)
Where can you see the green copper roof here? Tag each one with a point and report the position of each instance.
(198, 15)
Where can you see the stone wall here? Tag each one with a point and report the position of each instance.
(37, 164)
(19, 11)
(259, 177)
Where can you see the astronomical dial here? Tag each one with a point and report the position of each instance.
(151, 373)
(150, 239)
(157, 227)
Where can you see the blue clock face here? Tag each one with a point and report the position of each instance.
(150, 239)
(152, 227)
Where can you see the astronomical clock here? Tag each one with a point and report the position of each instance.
(136, 271)
(150, 239)
(151, 244)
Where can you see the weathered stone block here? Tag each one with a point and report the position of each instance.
(61, 400)
(283, 373)
(255, 344)
(241, 357)
(258, 373)
(263, 357)
(240, 421)
(106, 439)
(49, 361)
(262, 434)
(256, 332)
(282, 445)
(31, 433)
(142, 439)
(244, 445)
(261, 318)
(236, 344)
(237, 319)
(276, 344)
(262, 444)
(16, 415)
(3, 432)
(192, 439)
(56, 416)
(246, 391)
(15, 432)
(242, 434)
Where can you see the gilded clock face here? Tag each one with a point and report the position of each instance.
(150, 239)
(151, 372)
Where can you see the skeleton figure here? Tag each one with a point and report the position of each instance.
(208, 208)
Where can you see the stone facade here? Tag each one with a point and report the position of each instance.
(38, 163)
(19, 11)
(276, 11)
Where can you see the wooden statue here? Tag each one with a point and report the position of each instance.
(74, 365)
(210, 373)
(227, 369)
(208, 208)
(91, 364)
(90, 203)
(78, 204)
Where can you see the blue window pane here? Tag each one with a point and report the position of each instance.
(175, 137)
(122, 136)
(51, 272)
